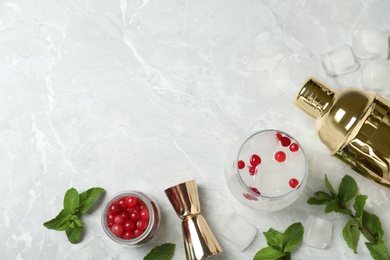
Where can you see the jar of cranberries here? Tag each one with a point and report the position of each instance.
(131, 218)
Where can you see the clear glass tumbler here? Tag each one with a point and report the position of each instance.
(266, 170)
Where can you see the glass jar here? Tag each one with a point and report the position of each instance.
(266, 170)
(117, 205)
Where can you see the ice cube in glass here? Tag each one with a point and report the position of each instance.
(370, 45)
(339, 61)
(318, 232)
(238, 231)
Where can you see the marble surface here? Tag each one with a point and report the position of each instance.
(145, 94)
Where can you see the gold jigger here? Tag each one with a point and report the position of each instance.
(199, 241)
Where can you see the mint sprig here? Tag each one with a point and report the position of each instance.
(362, 221)
(161, 252)
(75, 205)
(280, 245)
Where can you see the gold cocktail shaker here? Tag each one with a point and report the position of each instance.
(353, 124)
(199, 240)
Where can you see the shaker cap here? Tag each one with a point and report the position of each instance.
(314, 98)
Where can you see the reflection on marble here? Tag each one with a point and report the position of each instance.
(145, 94)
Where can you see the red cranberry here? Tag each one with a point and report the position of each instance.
(293, 183)
(144, 214)
(129, 225)
(280, 156)
(134, 216)
(137, 233)
(122, 203)
(124, 215)
(131, 201)
(110, 218)
(285, 141)
(118, 219)
(117, 229)
(128, 235)
(255, 160)
(294, 147)
(141, 224)
(252, 170)
(134, 209)
(241, 164)
(255, 190)
(115, 209)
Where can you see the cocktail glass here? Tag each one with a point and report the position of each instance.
(266, 170)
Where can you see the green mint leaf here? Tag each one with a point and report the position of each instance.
(378, 251)
(351, 234)
(292, 237)
(363, 222)
(71, 224)
(333, 206)
(71, 200)
(64, 224)
(274, 238)
(281, 244)
(78, 222)
(329, 186)
(323, 196)
(88, 197)
(68, 219)
(60, 222)
(314, 201)
(268, 253)
(372, 224)
(348, 189)
(161, 252)
(358, 205)
(74, 234)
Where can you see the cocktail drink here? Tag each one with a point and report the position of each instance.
(266, 170)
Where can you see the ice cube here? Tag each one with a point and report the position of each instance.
(238, 232)
(370, 45)
(339, 61)
(375, 76)
(92, 250)
(318, 232)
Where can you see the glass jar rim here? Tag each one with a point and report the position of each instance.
(252, 134)
(140, 195)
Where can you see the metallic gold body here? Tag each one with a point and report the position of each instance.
(199, 240)
(353, 124)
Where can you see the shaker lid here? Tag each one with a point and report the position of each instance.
(314, 98)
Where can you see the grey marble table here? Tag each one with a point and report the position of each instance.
(145, 94)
